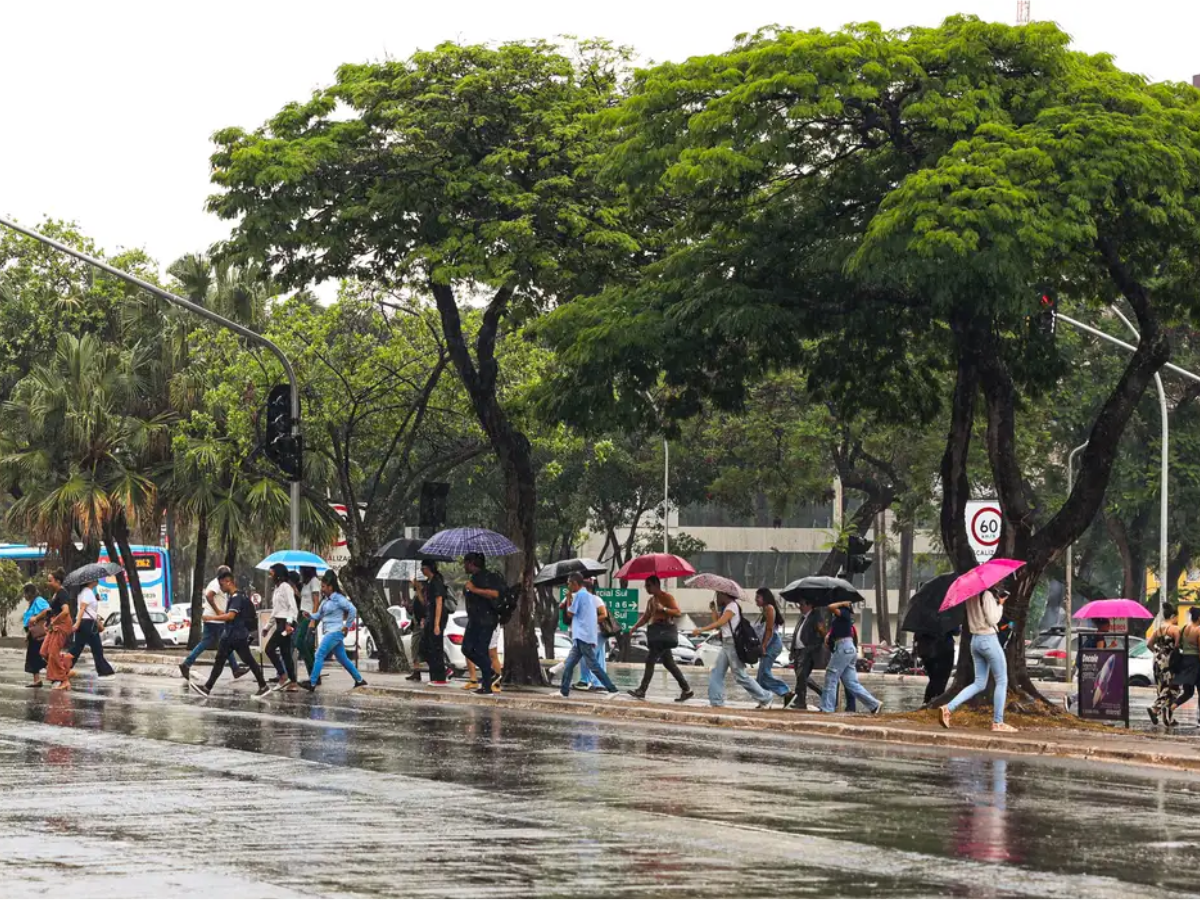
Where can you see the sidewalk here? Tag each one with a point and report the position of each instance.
(1100, 744)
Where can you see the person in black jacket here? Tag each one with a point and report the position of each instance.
(481, 593)
(808, 653)
(936, 653)
(240, 622)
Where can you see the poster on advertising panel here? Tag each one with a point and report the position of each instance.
(1103, 693)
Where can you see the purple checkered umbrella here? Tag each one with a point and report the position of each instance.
(456, 542)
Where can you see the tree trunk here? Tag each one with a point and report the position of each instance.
(198, 582)
(231, 552)
(359, 578)
(128, 637)
(881, 585)
(515, 457)
(907, 536)
(153, 639)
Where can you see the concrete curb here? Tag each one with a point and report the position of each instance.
(1115, 747)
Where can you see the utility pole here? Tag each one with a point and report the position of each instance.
(249, 335)
(1022, 12)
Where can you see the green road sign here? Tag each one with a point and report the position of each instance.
(622, 604)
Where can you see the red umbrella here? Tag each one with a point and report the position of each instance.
(664, 565)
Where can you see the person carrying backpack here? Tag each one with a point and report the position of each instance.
(482, 594)
(728, 620)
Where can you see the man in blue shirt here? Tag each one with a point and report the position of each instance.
(585, 633)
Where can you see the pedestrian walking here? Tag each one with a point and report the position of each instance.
(584, 617)
(419, 611)
(240, 621)
(841, 669)
(482, 636)
(214, 624)
(770, 632)
(662, 637)
(936, 652)
(587, 675)
(335, 615)
(306, 590)
(808, 654)
(1188, 673)
(87, 631)
(437, 614)
(984, 612)
(284, 611)
(61, 625)
(34, 623)
(1163, 643)
(727, 615)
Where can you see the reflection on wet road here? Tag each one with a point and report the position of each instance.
(131, 787)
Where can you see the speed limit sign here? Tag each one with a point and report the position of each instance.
(983, 527)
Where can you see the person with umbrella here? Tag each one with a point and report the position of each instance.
(239, 620)
(726, 620)
(662, 637)
(843, 661)
(936, 652)
(87, 620)
(984, 612)
(283, 612)
(808, 653)
(482, 591)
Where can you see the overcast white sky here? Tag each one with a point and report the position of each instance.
(108, 106)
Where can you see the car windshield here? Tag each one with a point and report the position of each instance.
(113, 619)
(1138, 650)
(460, 620)
(158, 617)
(1048, 641)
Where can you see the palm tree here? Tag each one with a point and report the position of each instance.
(81, 458)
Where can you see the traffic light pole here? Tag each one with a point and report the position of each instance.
(199, 310)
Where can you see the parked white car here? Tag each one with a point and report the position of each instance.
(169, 631)
(456, 627)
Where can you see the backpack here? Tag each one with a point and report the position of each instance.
(747, 642)
(506, 604)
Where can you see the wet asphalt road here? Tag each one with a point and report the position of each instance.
(132, 787)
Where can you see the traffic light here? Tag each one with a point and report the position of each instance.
(856, 555)
(281, 447)
(1047, 321)
(433, 504)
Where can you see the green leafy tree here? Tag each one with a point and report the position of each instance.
(458, 174)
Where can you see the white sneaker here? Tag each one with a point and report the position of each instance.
(768, 703)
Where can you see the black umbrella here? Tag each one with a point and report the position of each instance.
(922, 616)
(557, 572)
(91, 572)
(406, 548)
(821, 590)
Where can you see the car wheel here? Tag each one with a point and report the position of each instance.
(1139, 681)
(697, 661)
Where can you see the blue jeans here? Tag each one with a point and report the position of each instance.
(989, 659)
(333, 643)
(587, 652)
(716, 678)
(765, 678)
(585, 671)
(209, 639)
(841, 669)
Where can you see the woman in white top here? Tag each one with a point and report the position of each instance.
(87, 631)
(283, 612)
(984, 612)
(727, 621)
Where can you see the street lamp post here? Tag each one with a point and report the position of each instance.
(666, 496)
(249, 335)
(1070, 564)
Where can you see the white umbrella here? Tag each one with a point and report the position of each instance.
(399, 570)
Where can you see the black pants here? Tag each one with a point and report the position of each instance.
(938, 669)
(805, 663)
(279, 650)
(475, 648)
(435, 653)
(226, 649)
(33, 655)
(662, 653)
(88, 636)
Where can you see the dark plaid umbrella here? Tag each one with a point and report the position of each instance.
(557, 572)
(821, 590)
(455, 542)
(406, 548)
(922, 616)
(91, 572)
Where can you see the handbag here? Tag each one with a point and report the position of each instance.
(37, 631)
(662, 633)
(609, 628)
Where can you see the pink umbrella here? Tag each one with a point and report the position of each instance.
(978, 580)
(1114, 609)
(718, 583)
(664, 565)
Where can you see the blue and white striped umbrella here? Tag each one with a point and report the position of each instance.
(293, 559)
(454, 542)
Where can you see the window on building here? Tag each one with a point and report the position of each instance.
(714, 515)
